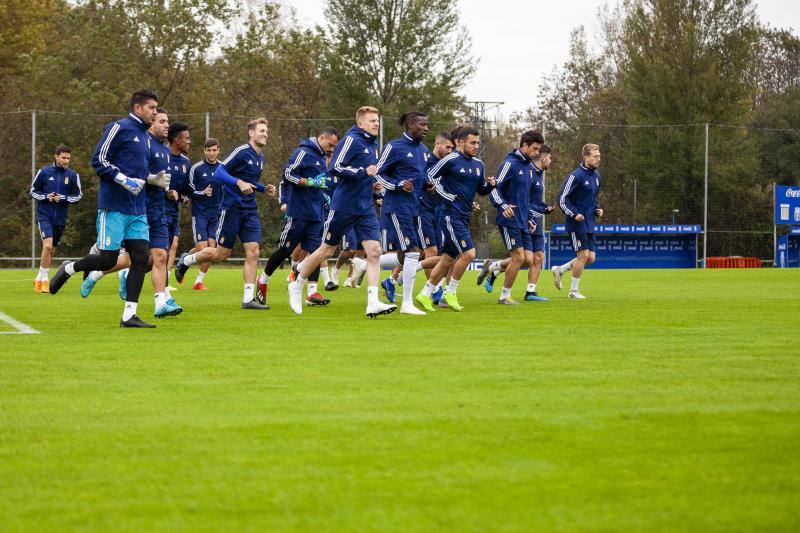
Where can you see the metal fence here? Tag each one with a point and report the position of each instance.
(714, 175)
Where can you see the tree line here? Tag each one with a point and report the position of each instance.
(671, 64)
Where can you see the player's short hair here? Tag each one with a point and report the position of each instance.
(443, 136)
(175, 129)
(545, 149)
(530, 137)
(161, 110)
(211, 141)
(140, 97)
(466, 131)
(63, 149)
(329, 130)
(251, 126)
(411, 116)
(364, 110)
(588, 149)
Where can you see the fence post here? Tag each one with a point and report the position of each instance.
(705, 204)
(208, 126)
(774, 229)
(33, 176)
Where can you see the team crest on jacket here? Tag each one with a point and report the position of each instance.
(184, 169)
(66, 180)
(478, 171)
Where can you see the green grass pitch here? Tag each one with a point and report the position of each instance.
(668, 400)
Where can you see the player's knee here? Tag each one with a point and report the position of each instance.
(538, 258)
(138, 252)
(518, 255)
(108, 258)
(469, 254)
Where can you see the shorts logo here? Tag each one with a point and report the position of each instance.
(463, 244)
(427, 240)
(407, 241)
(513, 241)
(108, 241)
(222, 240)
(328, 235)
(288, 244)
(578, 243)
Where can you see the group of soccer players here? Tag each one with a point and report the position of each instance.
(330, 190)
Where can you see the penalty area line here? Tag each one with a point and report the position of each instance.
(21, 328)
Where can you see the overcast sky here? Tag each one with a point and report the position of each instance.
(501, 31)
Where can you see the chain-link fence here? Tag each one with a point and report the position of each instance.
(652, 174)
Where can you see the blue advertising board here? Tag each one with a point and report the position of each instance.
(787, 251)
(787, 204)
(633, 245)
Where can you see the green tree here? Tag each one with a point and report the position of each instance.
(398, 54)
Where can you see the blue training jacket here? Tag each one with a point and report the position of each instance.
(306, 161)
(352, 189)
(243, 163)
(538, 207)
(578, 194)
(201, 176)
(513, 188)
(54, 179)
(179, 166)
(429, 200)
(403, 159)
(159, 160)
(457, 179)
(122, 148)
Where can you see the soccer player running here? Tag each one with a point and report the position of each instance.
(511, 197)
(401, 173)
(157, 219)
(534, 251)
(54, 188)
(429, 234)
(206, 205)
(179, 147)
(306, 178)
(239, 217)
(577, 198)
(121, 161)
(354, 166)
(457, 178)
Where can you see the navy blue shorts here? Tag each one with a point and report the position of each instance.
(242, 223)
(582, 241)
(50, 231)
(348, 241)
(204, 227)
(174, 226)
(515, 238)
(399, 233)
(537, 243)
(159, 234)
(308, 233)
(365, 228)
(428, 232)
(456, 236)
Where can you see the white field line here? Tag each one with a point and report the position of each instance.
(16, 324)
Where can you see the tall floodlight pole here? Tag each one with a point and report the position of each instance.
(478, 111)
(705, 204)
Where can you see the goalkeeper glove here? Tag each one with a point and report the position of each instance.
(320, 181)
(132, 185)
(161, 179)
